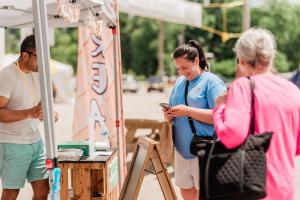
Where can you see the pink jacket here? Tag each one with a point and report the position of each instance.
(277, 109)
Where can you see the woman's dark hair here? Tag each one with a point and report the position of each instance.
(190, 51)
(28, 44)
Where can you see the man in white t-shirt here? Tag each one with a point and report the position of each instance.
(22, 152)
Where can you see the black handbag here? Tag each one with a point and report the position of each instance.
(196, 138)
(238, 173)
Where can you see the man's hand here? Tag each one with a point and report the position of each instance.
(55, 116)
(36, 112)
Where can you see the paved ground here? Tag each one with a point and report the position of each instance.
(141, 105)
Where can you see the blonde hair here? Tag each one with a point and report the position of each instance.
(257, 46)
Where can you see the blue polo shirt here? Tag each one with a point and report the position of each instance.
(202, 92)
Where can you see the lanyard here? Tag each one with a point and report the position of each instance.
(26, 83)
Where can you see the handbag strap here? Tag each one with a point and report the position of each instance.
(252, 123)
(252, 105)
(242, 145)
(191, 122)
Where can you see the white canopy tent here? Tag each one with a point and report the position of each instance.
(20, 14)
(174, 11)
(41, 14)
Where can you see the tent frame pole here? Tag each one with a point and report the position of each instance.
(114, 32)
(43, 55)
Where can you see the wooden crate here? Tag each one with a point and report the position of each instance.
(89, 179)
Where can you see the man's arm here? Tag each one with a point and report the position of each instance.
(7, 115)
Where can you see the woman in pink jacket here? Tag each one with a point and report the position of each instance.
(277, 109)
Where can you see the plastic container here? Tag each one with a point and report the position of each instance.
(69, 154)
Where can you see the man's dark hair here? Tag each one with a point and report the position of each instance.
(28, 44)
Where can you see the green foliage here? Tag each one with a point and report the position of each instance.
(212, 17)
(65, 48)
(139, 39)
(139, 42)
(278, 16)
(172, 34)
(141, 77)
(281, 63)
(12, 38)
(283, 20)
(225, 68)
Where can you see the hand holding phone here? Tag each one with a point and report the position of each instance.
(165, 105)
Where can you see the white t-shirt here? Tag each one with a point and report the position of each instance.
(23, 92)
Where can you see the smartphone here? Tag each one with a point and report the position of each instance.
(165, 105)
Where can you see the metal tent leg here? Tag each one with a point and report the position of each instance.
(43, 55)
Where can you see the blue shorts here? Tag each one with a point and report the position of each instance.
(19, 162)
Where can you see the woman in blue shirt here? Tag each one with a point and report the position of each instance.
(203, 88)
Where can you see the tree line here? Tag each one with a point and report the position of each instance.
(139, 39)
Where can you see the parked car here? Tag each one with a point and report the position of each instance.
(155, 83)
(130, 84)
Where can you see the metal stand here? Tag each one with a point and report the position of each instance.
(43, 55)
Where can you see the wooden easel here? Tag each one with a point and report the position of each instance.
(146, 150)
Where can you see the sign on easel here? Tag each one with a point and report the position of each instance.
(146, 154)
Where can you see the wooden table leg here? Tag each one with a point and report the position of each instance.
(76, 182)
(64, 181)
(86, 181)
